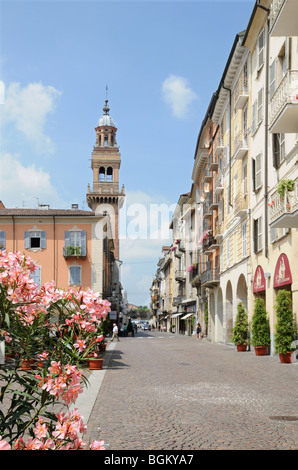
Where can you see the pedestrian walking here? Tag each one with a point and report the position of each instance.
(199, 329)
(115, 332)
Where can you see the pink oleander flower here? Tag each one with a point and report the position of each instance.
(4, 445)
(80, 345)
(40, 429)
(97, 445)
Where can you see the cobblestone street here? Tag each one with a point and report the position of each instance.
(170, 392)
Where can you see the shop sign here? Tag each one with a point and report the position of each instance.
(259, 284)
(113, 315)
(282, 274)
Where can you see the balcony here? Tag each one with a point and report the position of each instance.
(70, 251)
(218, 185)
(195, 276)
(178, 299)
(240, 205)
(218, 232)
(241, 92)
(180, 275)
(218, 146)
(213, 164)
(214, 203)
(284, 210)
(207, 212)
(283, 18)
(209, 244)
(210, 277)
(207, 176)
(284, 105)
(241, 145)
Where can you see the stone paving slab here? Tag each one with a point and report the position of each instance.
(172, 392)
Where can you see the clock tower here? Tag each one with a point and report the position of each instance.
(105, 197)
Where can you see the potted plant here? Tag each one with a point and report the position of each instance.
(95, 362)
(77, 250)
(240, 331)
(286, 187)
(70, 250)
(285, 329)
(260, 328)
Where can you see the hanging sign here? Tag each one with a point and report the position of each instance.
(259, 284)
(282, 273)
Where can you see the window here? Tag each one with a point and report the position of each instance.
(244, 179)
(75, 275)
(110, 174)
(35, 239)
(272, 77)
(102, 174)
(2, 240)
(244, 226)
(244, 125)
(75, 239)
(279, 150)
(261, 43)
(257, 172)
(228, 251)
(253, 120)
(260, 106)
(257, 234)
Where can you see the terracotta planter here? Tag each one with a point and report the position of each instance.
(285, 358)
(241, 347)
(95, 363)
(27, 364)
(261, 350)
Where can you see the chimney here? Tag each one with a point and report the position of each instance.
(75, 206)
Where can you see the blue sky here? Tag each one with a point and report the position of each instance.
(161, 61)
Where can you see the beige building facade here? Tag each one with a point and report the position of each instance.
(245, 239)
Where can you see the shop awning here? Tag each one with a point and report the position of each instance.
(186, 316)
(176, 315)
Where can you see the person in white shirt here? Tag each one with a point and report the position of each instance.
(115, 332)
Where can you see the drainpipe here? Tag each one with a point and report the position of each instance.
(266, 126)
(230, 142)
(54, 237)
(13, 234)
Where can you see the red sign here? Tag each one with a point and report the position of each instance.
(259, 284)
(282, 274)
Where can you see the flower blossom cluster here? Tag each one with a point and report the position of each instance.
(63, 382)
(15, 271)
(66, 435)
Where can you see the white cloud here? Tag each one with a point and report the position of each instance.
(27, 108)
(21, 185)
(178, 94)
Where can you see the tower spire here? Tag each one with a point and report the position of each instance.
(106, 107)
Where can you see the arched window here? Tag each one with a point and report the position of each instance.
(110, 174)
(102, 174)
